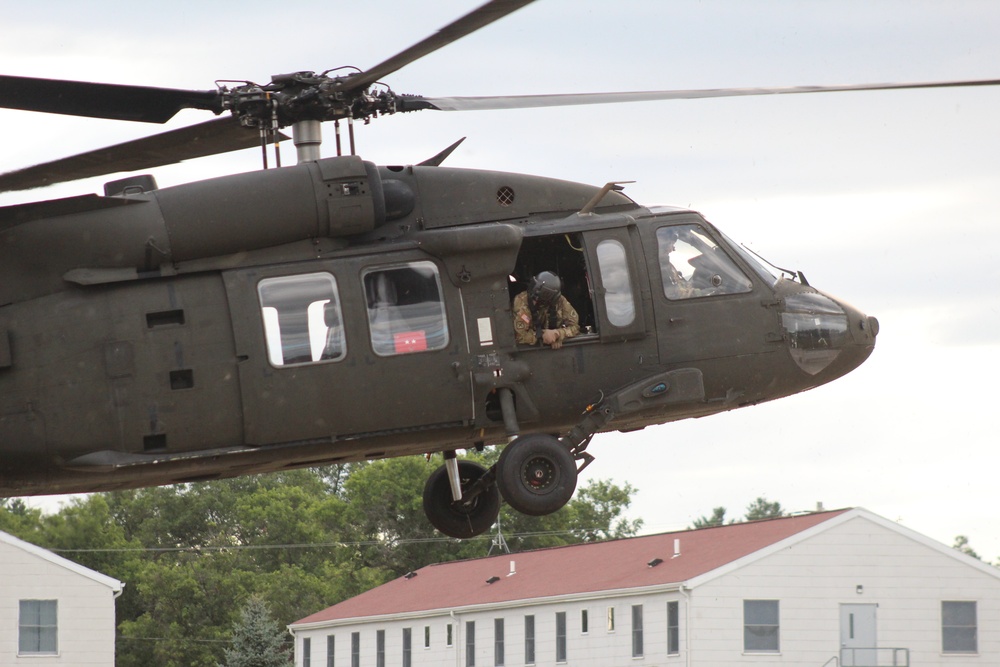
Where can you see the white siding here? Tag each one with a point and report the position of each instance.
(596, 648)
(810, 575)
(906, 578)
(86, 609)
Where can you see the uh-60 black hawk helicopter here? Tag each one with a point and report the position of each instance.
(337, 311)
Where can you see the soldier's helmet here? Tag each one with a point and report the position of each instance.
(545, 288)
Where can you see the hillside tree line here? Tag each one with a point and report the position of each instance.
(194, 556)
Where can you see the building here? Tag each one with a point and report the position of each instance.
(52, 610)
(842, 587)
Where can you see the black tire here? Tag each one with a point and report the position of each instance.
(463, 519)
(536, 474)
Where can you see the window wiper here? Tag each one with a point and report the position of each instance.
(793, 275)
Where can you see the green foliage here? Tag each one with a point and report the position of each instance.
(759, 509)
(194, 556)
(962, 544)
(764, 509)
(17, 519)
(718, 518)
(257, 640)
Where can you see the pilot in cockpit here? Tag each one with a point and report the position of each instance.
(675, 285)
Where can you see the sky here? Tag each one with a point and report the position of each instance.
(888, 200)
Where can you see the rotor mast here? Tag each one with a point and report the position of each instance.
(307, 135)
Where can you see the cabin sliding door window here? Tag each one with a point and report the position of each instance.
(619, 301)
(302, 319)
(406, 311)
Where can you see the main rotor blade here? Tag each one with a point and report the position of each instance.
(102, 100)
(573, 99)
(476, 19)
(220, 135)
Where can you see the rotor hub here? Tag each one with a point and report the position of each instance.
(304, 96)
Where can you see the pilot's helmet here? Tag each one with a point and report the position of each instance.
(545, 288)
(668, 236)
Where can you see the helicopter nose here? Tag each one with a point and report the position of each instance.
(825, 335)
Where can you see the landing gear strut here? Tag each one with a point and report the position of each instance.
(536, 474)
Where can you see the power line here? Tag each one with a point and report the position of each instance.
(310, 545)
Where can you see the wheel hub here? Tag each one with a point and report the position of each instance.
(539, 473)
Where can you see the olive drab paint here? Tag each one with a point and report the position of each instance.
(338, 311)
(231, 326)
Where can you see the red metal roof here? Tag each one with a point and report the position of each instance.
(580, 568)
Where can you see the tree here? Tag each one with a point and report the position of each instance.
(962, 544)
(718, 518)
(764, 509)
(298, 540)
(258, 641)
(385, 519)
(18, 519)
(597, 512)
(759, 509)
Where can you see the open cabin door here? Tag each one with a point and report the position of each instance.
(348, 348)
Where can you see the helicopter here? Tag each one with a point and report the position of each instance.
(336, 310)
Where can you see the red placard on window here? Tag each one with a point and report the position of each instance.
(410, 341)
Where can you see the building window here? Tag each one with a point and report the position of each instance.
(637, 631)
(498, 641)
(355, 649)
(330, 645)
(302, 319)
(380, 648)
(529, 640)
(959, 627)
(673, 628)
(470, 644)
(560, 636)
(405, 309)
(584, 624)
(306, 652)
(611, 619)
(760, 626)
(449, 639)
(427, 636)
(38, 627)
(407, 646)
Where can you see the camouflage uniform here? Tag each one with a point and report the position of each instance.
(562, 317)
(675, 285)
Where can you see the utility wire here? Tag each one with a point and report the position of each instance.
(309, 545)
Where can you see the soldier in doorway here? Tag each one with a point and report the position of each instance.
(542, 315)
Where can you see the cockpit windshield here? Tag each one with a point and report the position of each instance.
(759, 267)
(693, 265)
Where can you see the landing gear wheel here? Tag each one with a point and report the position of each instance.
(536, 474)
(468, 517)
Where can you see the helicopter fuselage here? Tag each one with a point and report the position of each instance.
(336, 311)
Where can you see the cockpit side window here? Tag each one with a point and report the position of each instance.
(692, 265)
(406, 311)
(303, 323)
